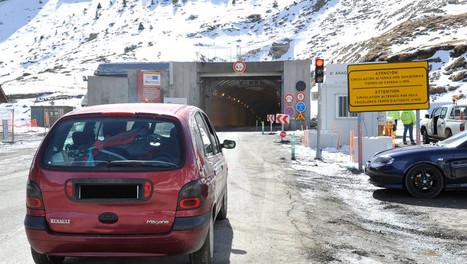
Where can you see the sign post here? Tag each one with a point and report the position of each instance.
(5, 129)
(318, 131)
(270, 118)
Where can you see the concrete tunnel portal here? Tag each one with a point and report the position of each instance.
(230, 98)
(240, 101)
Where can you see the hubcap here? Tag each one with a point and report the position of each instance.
(423, 181)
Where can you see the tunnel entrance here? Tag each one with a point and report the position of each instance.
(240, 101)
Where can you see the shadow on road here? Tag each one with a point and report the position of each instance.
(223, 236)
(450, 199)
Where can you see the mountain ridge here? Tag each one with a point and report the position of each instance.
(67, 39)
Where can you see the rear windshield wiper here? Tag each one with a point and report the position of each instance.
(141, 163)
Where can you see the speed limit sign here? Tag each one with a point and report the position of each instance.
(239, 66)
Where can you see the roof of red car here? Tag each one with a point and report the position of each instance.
(151, 108)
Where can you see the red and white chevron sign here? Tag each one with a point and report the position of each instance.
(270, 118)
(282, 119)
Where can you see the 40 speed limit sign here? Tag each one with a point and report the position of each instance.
(239, 66)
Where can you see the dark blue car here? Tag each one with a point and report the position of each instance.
(424, 171)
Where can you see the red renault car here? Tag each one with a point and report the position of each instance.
(127, 180)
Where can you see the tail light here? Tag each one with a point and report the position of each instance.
(147, 189)
(34, 197)
(69, 189)
(462, 127)
(191, 196)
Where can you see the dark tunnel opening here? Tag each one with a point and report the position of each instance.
(240, 101)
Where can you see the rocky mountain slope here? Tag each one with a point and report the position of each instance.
(48, 45)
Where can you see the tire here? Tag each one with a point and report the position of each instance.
(424, 181)
(45, 259)
(426, 140)
(448, 133)
(206, 252)
(223, 212)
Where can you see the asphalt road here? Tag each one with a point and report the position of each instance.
(281, 211)
(263, 224)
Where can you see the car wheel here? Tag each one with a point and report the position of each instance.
(45, 259)
(448, 133)
(426, 140)
(206, 252)
(424, 181)
(223, 212)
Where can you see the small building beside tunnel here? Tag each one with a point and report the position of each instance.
(231, 97)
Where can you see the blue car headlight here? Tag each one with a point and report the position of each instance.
(380, 161)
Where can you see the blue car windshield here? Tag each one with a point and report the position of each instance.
(454, 141)
(100, 143)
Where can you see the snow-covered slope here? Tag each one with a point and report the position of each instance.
(48, 45)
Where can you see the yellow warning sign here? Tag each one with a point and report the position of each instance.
(388, 86)
(300, 117)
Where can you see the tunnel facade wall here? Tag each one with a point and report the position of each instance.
(183, 80)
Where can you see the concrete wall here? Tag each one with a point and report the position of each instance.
(295, 71)
(107, 90)
(336, 85)
(329, 116)
(183, 80)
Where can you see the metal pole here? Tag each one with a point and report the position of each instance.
(359, 129)
(417, 130)
(318, 132)
(282, 129)
(13, 126)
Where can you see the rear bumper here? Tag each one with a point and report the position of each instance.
(187, 236)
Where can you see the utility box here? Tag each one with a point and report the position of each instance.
(53, 113)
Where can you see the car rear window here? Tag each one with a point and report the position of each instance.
(112, 143)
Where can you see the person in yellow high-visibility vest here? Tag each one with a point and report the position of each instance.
(395, 115)
(408, 119)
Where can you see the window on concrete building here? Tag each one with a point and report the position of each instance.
(343, 107)
(314, 96)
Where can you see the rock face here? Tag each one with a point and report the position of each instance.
(279, 49)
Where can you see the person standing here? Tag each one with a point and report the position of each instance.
(395, 115)
(408, 119)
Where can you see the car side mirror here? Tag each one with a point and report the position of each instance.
(427, 116)
(229, 144)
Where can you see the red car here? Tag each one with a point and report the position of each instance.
(127, 180)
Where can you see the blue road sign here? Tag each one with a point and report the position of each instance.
(300, 107)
